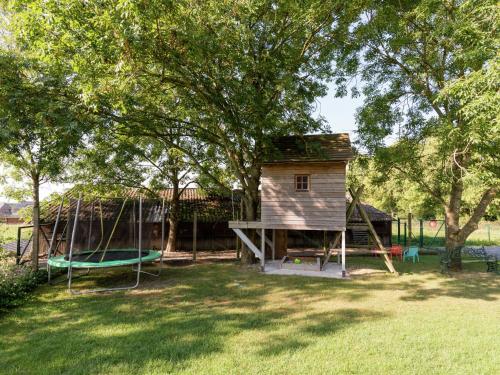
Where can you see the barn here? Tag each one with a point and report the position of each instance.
(215, 211)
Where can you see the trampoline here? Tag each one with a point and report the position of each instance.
(104, 234)
(110, 258)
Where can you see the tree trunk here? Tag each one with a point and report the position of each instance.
(453, 257)
(172, 234)
(456, 236)
(173, 218)
(251, 200)
(36, 222)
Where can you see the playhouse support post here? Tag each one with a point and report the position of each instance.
(376, 238)
(263, 248)
(274, 245)
(238, 246)
(280, 243)
(343, 254)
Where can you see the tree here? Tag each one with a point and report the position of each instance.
(393, 193)
(245, 70)
(142, 163)
(40, 125)
(423, 64)
(397, 194)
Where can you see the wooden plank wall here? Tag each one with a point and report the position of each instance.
(323, 207)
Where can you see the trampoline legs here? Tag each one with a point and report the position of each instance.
(51, 282)
(76, 292)
(149, 273)
(158, 274)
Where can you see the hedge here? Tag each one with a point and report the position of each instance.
(17, 282)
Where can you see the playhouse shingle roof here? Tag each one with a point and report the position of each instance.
(311, 148)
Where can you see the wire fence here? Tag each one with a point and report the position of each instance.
(432, 233)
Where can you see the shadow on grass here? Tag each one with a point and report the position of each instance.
(171, 322)
(483, 287)
(192, 312)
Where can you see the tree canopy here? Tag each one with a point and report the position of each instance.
(428, 69)
(232, 74)
(41, 123)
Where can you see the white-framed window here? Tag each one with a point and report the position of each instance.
(302, 182)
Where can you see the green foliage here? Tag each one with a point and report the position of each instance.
(430, 112)
(42, 121)
(116, 158)
(230, 75)
(39, 127)
(8, 233)
(16, 282)
(398, 195)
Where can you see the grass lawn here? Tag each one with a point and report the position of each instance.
(228, 319)
(8, 233)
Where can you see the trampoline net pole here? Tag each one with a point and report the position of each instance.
(140, 242)
(72, 244)
(54, 231)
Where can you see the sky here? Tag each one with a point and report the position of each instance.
(338, 112)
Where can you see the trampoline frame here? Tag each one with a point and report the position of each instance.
(60, 262)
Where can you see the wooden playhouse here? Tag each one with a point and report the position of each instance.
(303, 187)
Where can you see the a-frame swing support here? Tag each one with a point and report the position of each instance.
(356, 202)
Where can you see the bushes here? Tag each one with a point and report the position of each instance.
(16, 282)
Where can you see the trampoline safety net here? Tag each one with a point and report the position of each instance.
(108, 230)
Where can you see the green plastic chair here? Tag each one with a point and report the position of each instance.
(411, 252)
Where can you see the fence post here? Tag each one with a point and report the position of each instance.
(399, 231)
(404, 234)
(421, 242)
(18, 246)
(410, 231)
(195, 229)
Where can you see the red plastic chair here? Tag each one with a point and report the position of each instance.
(397, 251)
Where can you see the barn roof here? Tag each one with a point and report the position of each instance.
(5, 208)
(311, 148)
(188, 194)
(12, 209)
(373, 213)
(209, 207)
